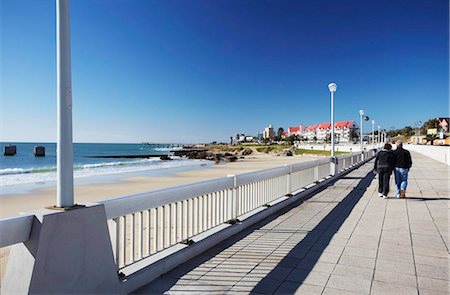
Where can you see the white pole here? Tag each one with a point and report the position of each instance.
(379, 143)
(373, 134)
(361, 113)
(64, 151)
(332, 124)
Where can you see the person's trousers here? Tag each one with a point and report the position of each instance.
(384, 175)
(401, 178)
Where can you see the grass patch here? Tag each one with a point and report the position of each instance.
(225, 148)
(317, 152)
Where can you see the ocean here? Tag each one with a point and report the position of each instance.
(25, 169)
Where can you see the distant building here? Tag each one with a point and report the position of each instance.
(322, 132)
(268, 132)
(296, 130)
(241, 138)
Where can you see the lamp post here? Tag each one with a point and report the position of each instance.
(332, 87)
(373, 134)
(379, 143)
(64, 154)
(361, 114)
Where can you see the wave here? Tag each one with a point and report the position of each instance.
(18, 176)
(168, 149)
(12, 171)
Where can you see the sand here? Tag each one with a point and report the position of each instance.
(12, 205)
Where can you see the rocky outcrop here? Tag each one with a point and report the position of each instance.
(246, 151)
(288, 153)
(211, 156)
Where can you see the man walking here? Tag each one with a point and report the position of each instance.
(403, 162)
(384, 164)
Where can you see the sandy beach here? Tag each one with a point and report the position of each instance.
(11, 205)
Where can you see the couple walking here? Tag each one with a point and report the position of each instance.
(387, 161)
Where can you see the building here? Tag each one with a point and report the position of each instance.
(268, 132)
(296, 130)
(322, 132)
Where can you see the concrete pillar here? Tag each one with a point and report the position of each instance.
(68, 252)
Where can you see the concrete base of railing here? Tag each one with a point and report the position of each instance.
(68, 252)
(147, 270)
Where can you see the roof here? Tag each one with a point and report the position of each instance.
(325, 125)
(340, 124)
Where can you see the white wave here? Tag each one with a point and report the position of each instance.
(93, 170)
(168, 149)
(9, 171)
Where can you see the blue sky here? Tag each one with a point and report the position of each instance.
(197, 71)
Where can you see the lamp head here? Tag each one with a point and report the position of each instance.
(361, 112)
(332, 87)
(373, 122)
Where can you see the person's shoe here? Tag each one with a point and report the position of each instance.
(402, 194)
(380, 195)
(385, 197)
(398, 196)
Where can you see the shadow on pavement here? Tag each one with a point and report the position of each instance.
(319, 237)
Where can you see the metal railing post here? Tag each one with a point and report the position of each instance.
(289, 180)
(234, 199)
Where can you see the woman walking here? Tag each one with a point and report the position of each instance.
(384, 164)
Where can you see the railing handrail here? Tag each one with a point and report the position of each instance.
(15, 229)
(134, 203)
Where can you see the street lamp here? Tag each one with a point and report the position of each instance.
(361, 114)
(332, 87)
(373, 134)
(379, 143)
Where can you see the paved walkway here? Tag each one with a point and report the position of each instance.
(343, 240)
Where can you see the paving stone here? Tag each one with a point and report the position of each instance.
(383, 288)
(435, 272)
(354, 272)
(288, 287)
(434, 284)
(308, 264)
(349, 284)
(308, 277)
(396, 278)
(357, 261)
(362, 252)
(395, 266)
(331, 291)
(430, 260)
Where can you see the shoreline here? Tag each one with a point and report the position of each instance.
(14, 204)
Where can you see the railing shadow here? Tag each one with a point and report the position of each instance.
(166, 281)
(317, 239)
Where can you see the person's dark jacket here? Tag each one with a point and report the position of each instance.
(402, 158)
(385, 160)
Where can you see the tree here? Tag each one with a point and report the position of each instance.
(430, 124)
(354, 134)
(280, 133)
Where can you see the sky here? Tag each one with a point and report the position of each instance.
(200, 71)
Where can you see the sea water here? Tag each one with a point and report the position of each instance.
(25, 169)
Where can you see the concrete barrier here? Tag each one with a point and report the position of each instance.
(436, 152)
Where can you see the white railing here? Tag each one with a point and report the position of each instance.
(147, 223)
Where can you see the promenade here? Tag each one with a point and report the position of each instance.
(342, 240)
